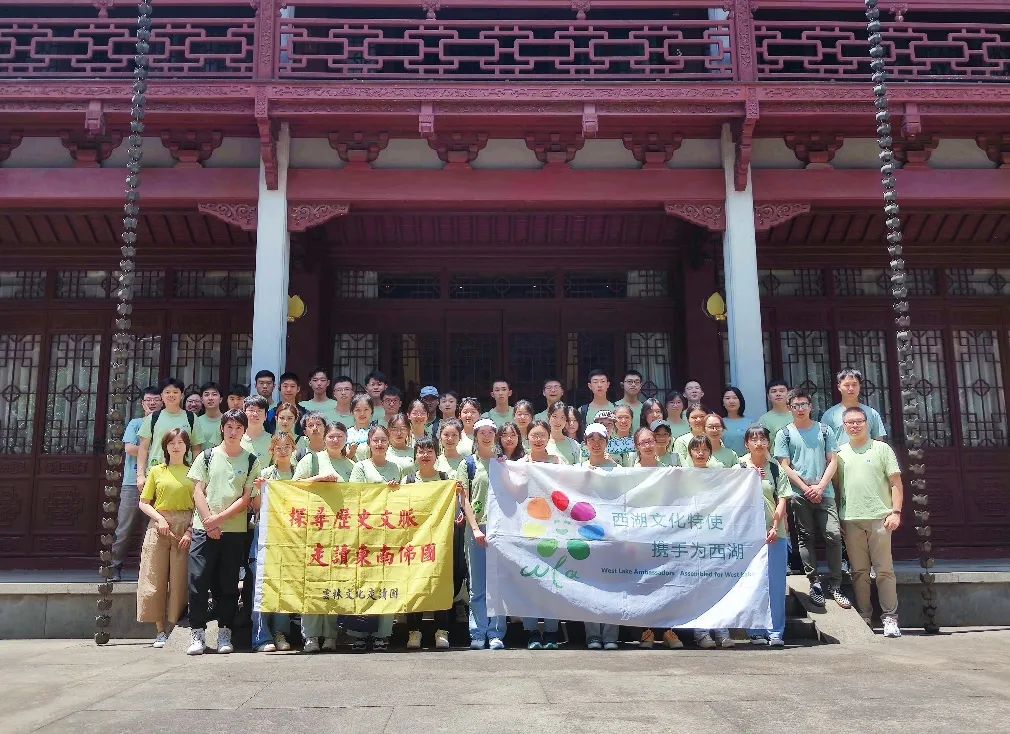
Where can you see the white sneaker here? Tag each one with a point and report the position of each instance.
(594, 644)
(311, 645)
(198, 646)
(723, 641)
(775, 640)
(329, 644)
(758, 640)
(281, 642)
(267, 647)
(441, 639)
(891, 628)
(414, 640)
(610, 646)
(224, 646)
(160, 640)
(496, 644)
(705, 642)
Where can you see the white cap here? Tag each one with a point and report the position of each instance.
(484, 423)
(598, 429)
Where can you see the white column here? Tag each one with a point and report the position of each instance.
(273, 255)
(746, 348)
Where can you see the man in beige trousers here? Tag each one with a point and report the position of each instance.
(869, 479)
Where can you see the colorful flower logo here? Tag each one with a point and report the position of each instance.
(569, 525)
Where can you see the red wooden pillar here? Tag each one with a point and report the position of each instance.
(702, 354)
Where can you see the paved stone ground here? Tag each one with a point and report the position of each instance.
(958, 682)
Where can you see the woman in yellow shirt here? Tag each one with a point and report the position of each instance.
(167, 499)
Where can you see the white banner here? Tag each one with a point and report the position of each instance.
(657, 548)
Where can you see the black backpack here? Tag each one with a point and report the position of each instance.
(191, 417)
(248, 471)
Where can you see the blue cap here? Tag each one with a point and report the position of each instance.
(429, 391)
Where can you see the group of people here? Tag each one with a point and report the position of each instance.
(197, 473)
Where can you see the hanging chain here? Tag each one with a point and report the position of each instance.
(122, 340)
(899, 289)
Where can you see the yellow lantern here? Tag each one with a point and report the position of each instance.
(715, 307)
(296, 308)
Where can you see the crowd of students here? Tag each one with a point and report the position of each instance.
(201, 461)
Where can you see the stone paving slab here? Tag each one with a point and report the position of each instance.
(953, 683)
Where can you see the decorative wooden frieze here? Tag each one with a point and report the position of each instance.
(653, 150)
(87, 150)
(708, 216)
(191, 148)
(459, 148)
(555, 148)
(358, 148)
(767, 216)
(267, 129)
(743, 139)
(242, 216)
(816, 150)
(302, 217)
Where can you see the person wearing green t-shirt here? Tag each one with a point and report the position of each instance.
(207, 427)
(696, 419)
(256, 439)
(560, 444)
(290, 388)
(723, 457)
(473, 474)
(675, 405)
(600, 636)
(224, 479)
(343, 393)
(850, 385)
(502, 412)
(632, 384)
(320, 402)
(392, 402)
(156, 425)
(265, 382)
(779, 416)
(599, 385)
(869, 481)
(554, 392)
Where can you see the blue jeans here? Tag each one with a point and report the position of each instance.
(778, 561)
(531, 624)
(481, 626)
(264, 624)
(603, 632)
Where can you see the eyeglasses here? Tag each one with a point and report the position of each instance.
(633, 381)
(857, 422)
(800, 406)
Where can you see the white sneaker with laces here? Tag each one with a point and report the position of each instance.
(224, 646)
(311, 645)
(610, 646)
(723, 641)
(160, 640)
(281, 642)
(329, 644)
(496, 644)
(198, 646)
(441, 639)
(267, 647)
(891, 628)
(775, 640)
(705, 641)
(414, 640)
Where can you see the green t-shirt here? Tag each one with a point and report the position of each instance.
(168, 488)
(725, 458)
(680, 448)
(782, 487)
(592, 410)
(444, 464)
(569, 450)
(259, 445)
(865, 480)
(832, 418)
(327, 408)
(342, 467)
(679, 429)
(543, 415)
(404, 457)
(465, 445)
(500, 419)
(636, 413)
(775, 422)
(346, 418)
(166, 422)
(207, 430)
(478, 488)
(668, 459)
(227, 478)
(367, 471)
(807, 451)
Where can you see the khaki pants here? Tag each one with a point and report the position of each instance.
(163, 586)
(869, 542)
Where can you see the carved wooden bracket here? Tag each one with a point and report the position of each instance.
(709, 216)
(815, 149)
(191, 148)
(555, 148)
(88, 151)
(94, 118)
(653, 150)
(743, 137)
(268, 140)
(9, 140)
(242, 216)
(426, 120)
(302, 217)
(358, 148)
(915, 151)
(997, 147)
(590, 120)
(767, 216)
(458, 149)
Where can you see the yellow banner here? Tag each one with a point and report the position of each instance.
(338, 548)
